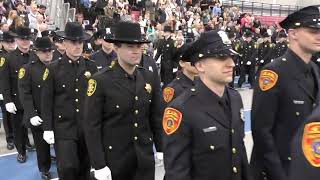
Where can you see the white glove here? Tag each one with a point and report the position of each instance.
(1, 97)
(36, 121)
(249, 63)
(159, 155)
(48, 136)
(11, 108)
(103, 174)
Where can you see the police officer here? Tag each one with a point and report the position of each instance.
(122, 118)
(47, 33)
(247, 52)
(62, 105)
(203, 126)
(166, 50)
(8, 45)
(149, 63)
(9, 72)
(265, 50)
(236, 43)
(185, 77)
(282, 44)
(286, 93)
(106, 54)
(60, 48)
(30, 85)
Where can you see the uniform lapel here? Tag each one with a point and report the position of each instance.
(140, 81)
(82, 68)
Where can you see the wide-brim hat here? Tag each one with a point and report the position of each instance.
(43, 44)
(264, 33)
(73, 31)
(47, 33)
(211, 44)
(22, 32)
(127, 32)
(6, 37)
(305, 17)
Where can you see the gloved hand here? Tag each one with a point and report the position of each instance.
(36, 121)
(11, 108)
(48, 136)
(103, 174)
(1, 97)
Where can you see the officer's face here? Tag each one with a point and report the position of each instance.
(129, 54)
(73, 48)
(307, 38)
(217, 71)
(45, 56)
(23, 43)
(60, 46)
(186, 66)
(9, 46)
(107, 46)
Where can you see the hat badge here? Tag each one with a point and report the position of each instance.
(224, 37)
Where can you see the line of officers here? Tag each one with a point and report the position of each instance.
(107, 115)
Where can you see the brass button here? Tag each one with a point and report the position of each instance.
(212, 147)
(232, 131)
(77, 100)
(135, 138)
(59, 117)
(297, 113)
(117, 106)
(234, 150)
(289, 158)
(39, 86)
(77, 110)
(77, 90)
(135, 124)
(193, 89)
(150, 101)
(235, 170)
(63, 86)
(77, 80)
(136, 112)
(110, 147)
(263, 173)
(150, 139)
(14, 94)
(136, 98)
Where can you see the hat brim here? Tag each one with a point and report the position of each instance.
(133, 41)
(63, 35)
(15, 35)
(44, 49)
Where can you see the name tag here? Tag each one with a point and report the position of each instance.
(298, 102)
(209, 129)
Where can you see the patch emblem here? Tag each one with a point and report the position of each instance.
(171, 120)
(311, 143)
(22, 72)
(45, 74)
(87, 74)
(148, 87)
(168, 94)
(92, 85)
(2, 61)
(267, 79)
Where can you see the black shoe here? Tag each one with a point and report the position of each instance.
(45, 175)
(29, 146)
(21, 158)
(10, 145)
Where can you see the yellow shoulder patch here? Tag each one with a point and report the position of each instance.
(311, 143)
(2, 61)
(171, 120)
(92, 85)
(45, 74)
(22, 72)
(267, 80)
(168, 94)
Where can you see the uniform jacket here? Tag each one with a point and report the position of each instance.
(103, 59)
(248, 53)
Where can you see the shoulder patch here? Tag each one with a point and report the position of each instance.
(92, 85)
(168, 94)
(267, 80)
(22, 72)
(311, 143)
(45, 74)
(171, 120)
(2, 61)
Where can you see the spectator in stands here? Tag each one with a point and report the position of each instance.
(216, 11)
(42, 11)
(41, 25)
(32, 16)
(17, 22)
(151, 9)
(4, 28)
(21, 11)
(11, 16)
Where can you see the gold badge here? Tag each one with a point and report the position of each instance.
(22, 71)
(148, 87)
(267, 80)
(171, 120)
(87, 74)
(2, 61)
(311, 143)
(168, 94)
(92, 84)
(45, 74)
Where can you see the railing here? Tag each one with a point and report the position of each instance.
(261, 9)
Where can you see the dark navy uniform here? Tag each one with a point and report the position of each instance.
(102, 59)
(279, 49)
(56, 55)
(265, 54)
(124, 122)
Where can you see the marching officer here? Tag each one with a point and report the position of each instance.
(236, 43)
(185, 77)
(247, 52)
(9, 73)
(62, 107)
(166, 50)
(8, 45)
(149, 63)
(286, 93)
(30, 84)
(265, 50)
(282, 44)
(203, 127)
(60, 48)
(106, 54)
(125, 122)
